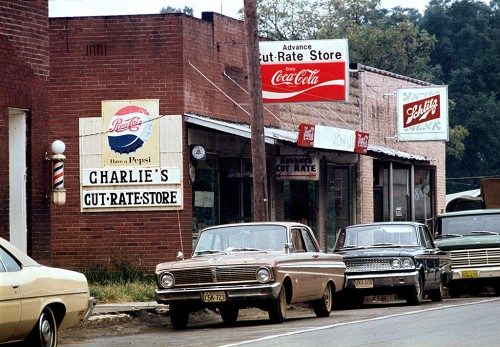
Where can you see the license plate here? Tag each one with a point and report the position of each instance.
(470, 274)
(363, 283)
(214, 297)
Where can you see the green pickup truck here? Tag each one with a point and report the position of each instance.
(473, 239)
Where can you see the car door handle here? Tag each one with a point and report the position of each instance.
(316, 256)
(15, 285)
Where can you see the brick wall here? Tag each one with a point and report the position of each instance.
(24, 73)
(191, 65)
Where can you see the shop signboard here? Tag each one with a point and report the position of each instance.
(125, 165)
(296, 167)
(304, 71)
(319, 136)
(423, 113)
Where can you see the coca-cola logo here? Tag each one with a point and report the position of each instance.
(290, 77)
(421, 111)
(306, 135)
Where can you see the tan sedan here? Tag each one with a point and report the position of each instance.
(265, 265)
(36, 300)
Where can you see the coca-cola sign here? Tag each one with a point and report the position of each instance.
(304, 71)
(423, 114)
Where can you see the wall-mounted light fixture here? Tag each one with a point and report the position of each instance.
(57, 158)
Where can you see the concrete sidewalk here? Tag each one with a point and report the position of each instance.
(105, 314)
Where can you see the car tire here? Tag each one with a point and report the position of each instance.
(277, 308)
(416, 293)
(437, 294)
(179, 316)
(44, 334)
(323, 306)
(229, 314)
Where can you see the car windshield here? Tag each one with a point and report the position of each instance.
(378, 236)
(242, 238)
(487, 224)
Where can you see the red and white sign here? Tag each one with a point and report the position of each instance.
(319, 136)
(304, 71)
(423, 114)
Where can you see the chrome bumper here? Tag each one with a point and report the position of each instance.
(384, 280)
(90, 309)
(233, 293)
(476, 272)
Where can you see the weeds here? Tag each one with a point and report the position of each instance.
(119, 282)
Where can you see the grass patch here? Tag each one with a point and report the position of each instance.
(105, 293)
(119, 282)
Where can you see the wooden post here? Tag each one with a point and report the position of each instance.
(260, 200)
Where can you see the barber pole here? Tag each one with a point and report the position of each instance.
(57, 173)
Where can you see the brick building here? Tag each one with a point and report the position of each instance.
(193, 73)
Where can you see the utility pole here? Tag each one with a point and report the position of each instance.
(260, 200)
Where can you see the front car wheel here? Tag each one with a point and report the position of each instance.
(277, 308)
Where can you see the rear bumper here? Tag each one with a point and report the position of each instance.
(232, 293)
(90, 309)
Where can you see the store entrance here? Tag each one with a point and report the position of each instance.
(301, 203)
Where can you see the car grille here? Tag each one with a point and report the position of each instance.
(365, 265)
(475, 257)
(215, 274)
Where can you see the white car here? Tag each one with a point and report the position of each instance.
(36, 300)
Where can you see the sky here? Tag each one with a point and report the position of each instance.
(75, 8)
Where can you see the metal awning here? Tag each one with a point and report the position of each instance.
(395, 153)
(272, 135)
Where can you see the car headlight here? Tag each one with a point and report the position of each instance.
(396, 263)
(263, 275)
(408, 263)
(402, 263)
(167, 280)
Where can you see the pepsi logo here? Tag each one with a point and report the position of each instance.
(129, 129)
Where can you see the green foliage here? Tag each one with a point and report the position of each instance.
(141, 291)
(455, 147)
(169, 9)
(120, 271)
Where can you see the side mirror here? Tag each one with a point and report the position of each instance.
(288, 248)
(179, 256)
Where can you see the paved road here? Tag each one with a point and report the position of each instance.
(453, 322)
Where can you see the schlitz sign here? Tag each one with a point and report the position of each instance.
(423, 114)
(304, 71)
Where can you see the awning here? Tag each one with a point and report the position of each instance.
(272, 135)
(395, 153)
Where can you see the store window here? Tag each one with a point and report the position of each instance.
(236, 192)
(340, 201)
(423, 199)
(401, 194)
(205, 194)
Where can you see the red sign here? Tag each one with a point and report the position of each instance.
(361, 144)
(421, 111)
(306, 135)
(303, 82)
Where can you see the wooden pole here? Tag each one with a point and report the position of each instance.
(260, 200)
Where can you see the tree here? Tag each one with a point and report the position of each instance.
(169, 9)
(389, 40)
(467, 52)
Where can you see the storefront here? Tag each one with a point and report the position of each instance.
(305, 185)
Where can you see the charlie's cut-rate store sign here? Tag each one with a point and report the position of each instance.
(304, 71)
